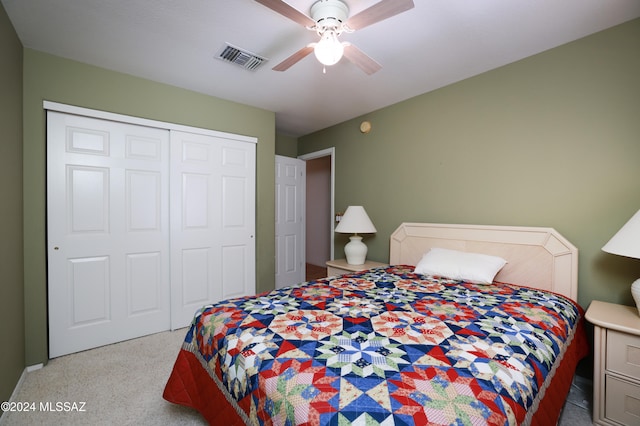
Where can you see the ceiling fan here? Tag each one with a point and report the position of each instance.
(330, 18)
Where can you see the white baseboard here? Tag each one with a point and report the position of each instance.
(34, 367)
(29, 369)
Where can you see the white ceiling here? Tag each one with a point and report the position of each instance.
(435, 44)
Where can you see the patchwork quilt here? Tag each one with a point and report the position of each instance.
(381, 347)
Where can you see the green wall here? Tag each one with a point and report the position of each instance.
(11, 276)
(56, 79)
(286, 145)
(552, 140)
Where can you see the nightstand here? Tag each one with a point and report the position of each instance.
(341, 267)
(616, 363)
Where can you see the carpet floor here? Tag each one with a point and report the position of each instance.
(122, 384)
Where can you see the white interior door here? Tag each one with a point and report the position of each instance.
(290, 221)
(212, 222)
(108, 229)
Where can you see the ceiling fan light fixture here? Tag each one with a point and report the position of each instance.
(329, 19)
(329, 50)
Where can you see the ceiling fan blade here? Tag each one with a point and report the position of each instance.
(361, 59)
(378, 12)
(290, 12)
(293, 59)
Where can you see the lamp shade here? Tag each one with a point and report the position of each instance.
(626, 242)
(355, 221)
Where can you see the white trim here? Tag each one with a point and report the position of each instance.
(35, 367)
(94, 113)
(16, 389)
(323, 153)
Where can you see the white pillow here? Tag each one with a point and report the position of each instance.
(471, 267)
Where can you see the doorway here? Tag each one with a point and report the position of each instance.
(320, 212)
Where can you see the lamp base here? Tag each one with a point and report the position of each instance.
(356, 252)
(635, 292)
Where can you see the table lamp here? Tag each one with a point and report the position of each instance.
(355, 221)
(626, 242)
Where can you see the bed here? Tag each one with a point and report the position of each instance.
(390, 346)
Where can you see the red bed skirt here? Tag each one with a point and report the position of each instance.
(190, 385)
(550, 408)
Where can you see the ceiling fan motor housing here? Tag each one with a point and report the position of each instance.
(329, 14)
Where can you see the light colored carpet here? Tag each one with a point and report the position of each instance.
(122, 384)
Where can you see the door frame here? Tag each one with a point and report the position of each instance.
(94, 113)
(324, 153)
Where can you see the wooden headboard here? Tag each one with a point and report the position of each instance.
(537, 257)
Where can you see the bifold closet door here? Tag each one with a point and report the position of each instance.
(212, 222)
(108, 232)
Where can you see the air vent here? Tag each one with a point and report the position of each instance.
(243, 58)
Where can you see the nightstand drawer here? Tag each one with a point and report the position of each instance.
(341, 267)
(616, 363)
(332, 271)
(622, 401)
(623, 353)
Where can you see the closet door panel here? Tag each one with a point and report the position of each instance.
(108, 232)
(196, 276)
(144, 283)
(195, 223)
(238, 219)
(212, 222)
